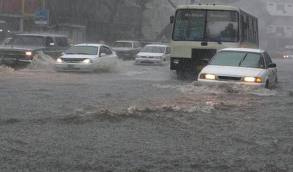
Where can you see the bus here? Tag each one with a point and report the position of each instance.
(200, 30)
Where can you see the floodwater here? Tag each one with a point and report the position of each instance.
(140, 118)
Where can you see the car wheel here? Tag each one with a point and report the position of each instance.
(268, 85)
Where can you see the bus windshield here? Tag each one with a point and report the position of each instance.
(206, 25)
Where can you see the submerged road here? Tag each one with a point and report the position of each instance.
(140, 118)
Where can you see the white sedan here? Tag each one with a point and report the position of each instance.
(153, 54)
(240, 65)
(86, 58)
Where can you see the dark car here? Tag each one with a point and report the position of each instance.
(127, 50)
(22, 49)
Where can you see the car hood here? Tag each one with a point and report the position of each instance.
(150, 54)
(78, 56)
(20, 48)
(232, 71)
(122, 49)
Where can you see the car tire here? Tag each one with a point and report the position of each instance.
(268, 85)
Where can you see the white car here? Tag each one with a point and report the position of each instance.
(86, 58)
(153, 54)
(240, 65)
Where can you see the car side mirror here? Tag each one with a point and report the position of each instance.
(172, 19)
(272, 65)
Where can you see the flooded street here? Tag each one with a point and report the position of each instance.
(141, 118)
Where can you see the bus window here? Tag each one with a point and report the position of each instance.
(189, 25)
(222, 26)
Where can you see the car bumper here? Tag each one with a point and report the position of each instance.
(75, 67)
(148, 61)
(215, 82)
(14, 61)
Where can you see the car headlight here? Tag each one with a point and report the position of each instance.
(28, 53)
(208, 76)
(59, 60)
(253, 79)
(86, 61)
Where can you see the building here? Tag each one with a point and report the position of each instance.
(19, 14)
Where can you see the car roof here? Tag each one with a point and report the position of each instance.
(250, 50)
(41, 34)
(157, 45)
(90, 45)
(126, 41)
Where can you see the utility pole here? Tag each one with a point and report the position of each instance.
(21, 24)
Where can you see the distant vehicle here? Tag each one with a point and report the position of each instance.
(4, 32)
(127, 50)
(153, 54)
(200, 30)
(288, 52)
(241, 66)
(22, 49)
(86, 58)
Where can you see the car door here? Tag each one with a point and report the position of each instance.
(272, 72)
(107, 55)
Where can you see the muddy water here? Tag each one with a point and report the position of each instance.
(141, 119)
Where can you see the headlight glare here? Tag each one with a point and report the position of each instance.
(210, 76)
(253, 79)
(59, 60)
(86, 61)
(28, 53)
(249, 79)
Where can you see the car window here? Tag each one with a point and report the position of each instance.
(268, 59)
(168, 50)
(105, 50)
(49, 41)
(27, 40)
(242, 59)
(153, 49)
(123, 44)
(62, 42)
(228, 58)
(253, 60)
(86, 50)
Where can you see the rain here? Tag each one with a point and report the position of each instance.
(74, 98)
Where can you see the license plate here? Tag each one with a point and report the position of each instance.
(70, 66)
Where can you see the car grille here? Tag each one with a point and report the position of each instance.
(147, 57)
(73, 60)
(229, 78)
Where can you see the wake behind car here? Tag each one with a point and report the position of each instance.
(241, 66)
(126, 50)
(153, 54)
(21, 49)
(86, 58)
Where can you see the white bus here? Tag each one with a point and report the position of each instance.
(200, 30)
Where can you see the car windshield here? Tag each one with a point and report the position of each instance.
(87, 50)
(153, 49)
(123, 44)
(239, 59)
(28, 40)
